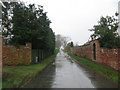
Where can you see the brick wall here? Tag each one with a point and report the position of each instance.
(85, 51)
(0, 54)
(12, 55)
(104, 56)
(109, 57)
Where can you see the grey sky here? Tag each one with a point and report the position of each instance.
(73, 18)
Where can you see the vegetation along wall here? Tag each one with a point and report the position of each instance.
(93, 51)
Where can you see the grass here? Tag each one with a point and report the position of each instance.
(109, 73)
(14, 76)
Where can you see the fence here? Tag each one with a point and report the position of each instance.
(38, 55)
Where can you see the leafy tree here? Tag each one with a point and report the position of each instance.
(58, 41)
(106, 32)
(31, 24)
(61, 41)
(20, 25)
(65, 41)
(6, 18)
(71, 44)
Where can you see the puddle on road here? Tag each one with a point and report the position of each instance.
(67, 74)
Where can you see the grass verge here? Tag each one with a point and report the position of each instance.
(15, 76)
(109, 73)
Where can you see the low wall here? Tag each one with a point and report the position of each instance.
(104, 56)
(12, 55)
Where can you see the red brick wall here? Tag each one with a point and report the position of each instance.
(85, 51)
(104, 56)
(109, 57)
(12, 55)
(0, 54)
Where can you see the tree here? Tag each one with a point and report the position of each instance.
(59, 42)
(20, 31)
(69, 46)
(62, 41)
(31, 24)
(106, 32)
(7, 12)
(65, 41)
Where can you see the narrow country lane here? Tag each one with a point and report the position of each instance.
(65, 73)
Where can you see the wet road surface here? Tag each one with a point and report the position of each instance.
(65, 73)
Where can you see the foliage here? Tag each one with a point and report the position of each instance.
(61, 41)
(6, 18)
(69, 46)
(58, 39)
(111, 74)
(106, 32)
(30, 24)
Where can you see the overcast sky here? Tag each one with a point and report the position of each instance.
(73, 18)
